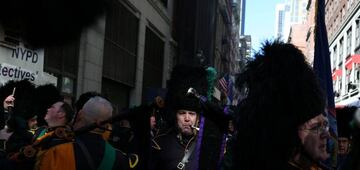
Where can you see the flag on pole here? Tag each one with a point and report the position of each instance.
(322, 68)
(223, 84)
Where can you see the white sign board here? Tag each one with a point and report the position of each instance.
(19, 62)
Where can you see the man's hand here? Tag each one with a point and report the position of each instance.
(9, 101)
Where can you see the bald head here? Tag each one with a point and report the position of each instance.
(94, 110)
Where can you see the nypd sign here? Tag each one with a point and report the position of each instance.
(19, 62)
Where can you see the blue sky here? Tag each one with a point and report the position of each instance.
(260, 20)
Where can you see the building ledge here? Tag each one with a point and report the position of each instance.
(161, 10)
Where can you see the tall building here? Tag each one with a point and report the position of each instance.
(288, 13)
(279, 20)
(297, 10)
(207, 33)
(343, 27)
(245, 46)
(242, 16)
(302, 35)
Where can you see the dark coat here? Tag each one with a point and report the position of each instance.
(95, 145)
(168, 151)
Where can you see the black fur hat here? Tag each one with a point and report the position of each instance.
(282, 94)
(23, 105)
(24, 97)
(344, 116)
(45, 96)
(182, 78)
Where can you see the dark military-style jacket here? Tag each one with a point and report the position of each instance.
(169, 149)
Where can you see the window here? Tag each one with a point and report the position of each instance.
(62, 62)
(118, 94)
(153, 61)
(67, 85)
(348, 42)
(120, 54)
(357, 36)
(335, 56)
(341, 51)
(356, 74)
(120, 48)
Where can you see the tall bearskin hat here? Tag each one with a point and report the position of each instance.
(282, 94)
(30, 101)
(182, 78)
(45, 96)
(344, 116)
(24, 97)
(23, 105)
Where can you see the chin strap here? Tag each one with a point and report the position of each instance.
(188, 152)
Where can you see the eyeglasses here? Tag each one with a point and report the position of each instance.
(319, 128)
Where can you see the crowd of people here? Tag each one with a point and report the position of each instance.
(280, 124)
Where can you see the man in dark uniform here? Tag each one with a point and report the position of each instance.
(280, 123)
(91, 150)
(174, 150)
(180, 147)
(345, 123)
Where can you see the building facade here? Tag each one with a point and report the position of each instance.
(125, 54)
(242, 9)
(302, 35)
(279, 20)
(343, 26)
(245, 47)
(128, 53)
(287, 14)
(227, 37)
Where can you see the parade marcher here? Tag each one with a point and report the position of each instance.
(313, 135)
(83, 99)
(132, 134)
(15, 113)
(280, 124)
(352, 159)
(179, 148)
(58, 115)
(45, 96)
(90, 148)
(153, 129)
(32, 124)
(120, 135)
(344, 117)
(80, 103)
(157, 123)
(175, 149)
(55, 139)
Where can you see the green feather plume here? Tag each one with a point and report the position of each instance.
(211, 76)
